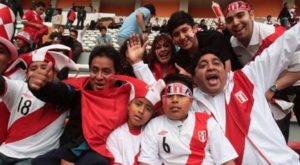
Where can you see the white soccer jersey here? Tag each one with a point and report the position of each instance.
(34, 127)
(242, 110)
(197, 140)
(124, 145)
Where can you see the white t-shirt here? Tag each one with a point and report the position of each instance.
(175, 142)
(34, 127)
(124, 145)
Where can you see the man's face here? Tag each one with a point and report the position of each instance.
(184, 36)
(73, 35)
(40, 10)
(103, 32)
(37, 66)
(140, 111)
(20, 43)
(4, 58)
(210, 74)
(101, 68)
(163, 51)
(240, 24)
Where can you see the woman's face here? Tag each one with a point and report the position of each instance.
(163, 51)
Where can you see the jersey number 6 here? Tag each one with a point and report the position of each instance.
(166, 146)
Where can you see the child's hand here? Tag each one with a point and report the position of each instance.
(135, 49)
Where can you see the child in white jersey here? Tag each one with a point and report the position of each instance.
(181, 136)
(124, 142)
(34, 126)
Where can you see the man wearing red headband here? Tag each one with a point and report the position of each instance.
(249, 39)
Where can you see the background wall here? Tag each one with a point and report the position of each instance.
(164, 8)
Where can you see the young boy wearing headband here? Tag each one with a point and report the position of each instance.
(181, 136)
(124, 142)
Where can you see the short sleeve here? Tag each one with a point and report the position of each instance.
(146, 12)
(113, 146)
(13, 89)
(27, 16)
(221, 149)
(149, 147)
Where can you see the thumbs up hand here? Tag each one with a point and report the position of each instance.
(39, 78)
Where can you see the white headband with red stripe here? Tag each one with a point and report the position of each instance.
(177, 89)
(239, 5)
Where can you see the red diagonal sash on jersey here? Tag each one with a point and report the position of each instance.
(269, 40)
(199, 139)
(25, 127)
(102, 112)
(238, 113)
(4, 116)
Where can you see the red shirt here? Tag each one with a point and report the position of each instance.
(33, 17)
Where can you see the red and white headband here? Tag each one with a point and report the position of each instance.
(177, 89)
(238, 5)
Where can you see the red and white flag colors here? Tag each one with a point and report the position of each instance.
(139, 89)
(239, 5)
(50, 53)
(178, 89)
(7, 19)
(24, 36)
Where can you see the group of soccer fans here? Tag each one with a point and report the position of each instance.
(165, 106)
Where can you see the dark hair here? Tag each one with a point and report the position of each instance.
(40, 4)
(179, 18)
(152, 58)
(106, 51)
(176, 77)
(74, 31)
(202, 52)
(126, 66)
(103, 27)
(151, 8)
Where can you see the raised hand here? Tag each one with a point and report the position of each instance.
(135, 49)
(39, 78)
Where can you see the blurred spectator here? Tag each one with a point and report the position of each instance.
(81, 16)
(121, 21)
(163, 27)
(114, 25)
(33, 23)
(61, 30)
(49, 13)
(136, 23)
(284, 16)
(156, 25)
(294, 20)
(77, 47)
(71, 16)
(269, 21)
(203, 25)
(103, 39)
(24, 43)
